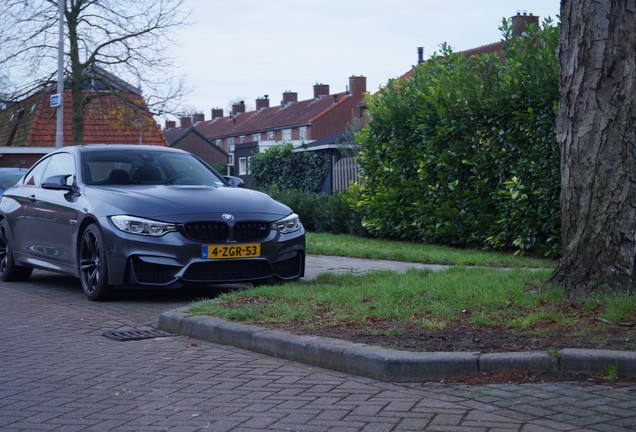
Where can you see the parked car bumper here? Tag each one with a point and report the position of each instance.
(173, 260)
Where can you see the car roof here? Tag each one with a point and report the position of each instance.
(120, 147)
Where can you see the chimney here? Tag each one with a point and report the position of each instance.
(238, 108)
(289, 97)
(262, 103)
(217, 113)
(320, 90)
(171, 124)
(358, 85)
(197, 118)
(186, 122)
(420, 55)
(520, 22)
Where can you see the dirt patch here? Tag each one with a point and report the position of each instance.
(475, 339)
(525, 377)
(465, 338)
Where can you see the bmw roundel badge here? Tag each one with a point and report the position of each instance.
(227, 216)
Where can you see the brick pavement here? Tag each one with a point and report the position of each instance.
(58, 373)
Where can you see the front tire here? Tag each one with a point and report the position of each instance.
(9, 271)
(93, 266)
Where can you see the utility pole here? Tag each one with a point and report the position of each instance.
(59, 129)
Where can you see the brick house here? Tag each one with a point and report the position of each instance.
(519, 24)
(28, 127)
(243, 133)
(190, 139)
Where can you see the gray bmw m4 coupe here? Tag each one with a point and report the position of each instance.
(137, 215)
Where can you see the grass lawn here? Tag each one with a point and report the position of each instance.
(483, 290)
(347, 245)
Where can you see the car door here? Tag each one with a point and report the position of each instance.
(43, 232)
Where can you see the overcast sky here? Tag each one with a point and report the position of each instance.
(244, 50)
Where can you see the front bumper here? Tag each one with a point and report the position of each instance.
(174, 260)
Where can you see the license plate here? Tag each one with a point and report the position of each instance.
(247, 250)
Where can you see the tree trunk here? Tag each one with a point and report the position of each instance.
(596, 130)
(77, 73)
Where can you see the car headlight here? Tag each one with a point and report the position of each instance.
(135, 225)
(287, 225)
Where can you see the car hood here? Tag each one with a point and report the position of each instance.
(181, 203)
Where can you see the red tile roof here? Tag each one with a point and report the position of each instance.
(107, 119)
(495, 48)
(292, 115)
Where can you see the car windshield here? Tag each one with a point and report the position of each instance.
(135, 167)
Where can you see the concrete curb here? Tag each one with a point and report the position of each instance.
(386, 364)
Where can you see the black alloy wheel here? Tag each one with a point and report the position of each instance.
(9, 271)
(92, 263)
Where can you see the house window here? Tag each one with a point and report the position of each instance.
(287, 136)
(242, 139)
(229, 141)
(219, 143)
(230, 159)
(256, 137)
(242, 166)
(271, 136)
(303, 132)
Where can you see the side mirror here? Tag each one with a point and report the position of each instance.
(57, 182)
(235, 181)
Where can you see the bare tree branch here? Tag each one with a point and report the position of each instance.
(127, 39)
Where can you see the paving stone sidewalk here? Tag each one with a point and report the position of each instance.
(317, 264)
(58, 373)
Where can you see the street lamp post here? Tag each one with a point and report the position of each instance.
(59, 128)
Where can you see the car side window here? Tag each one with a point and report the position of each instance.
(34, 176)
(61, 164)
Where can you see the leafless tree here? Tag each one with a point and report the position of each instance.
(126, 39)
(596, 129)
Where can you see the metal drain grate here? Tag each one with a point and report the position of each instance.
(130, 335)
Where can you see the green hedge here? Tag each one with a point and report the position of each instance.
(321, 212)
(283, 168)
(464, 152)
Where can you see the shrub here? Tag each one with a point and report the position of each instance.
(320, 212)
(464, 152)
(281, 167)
